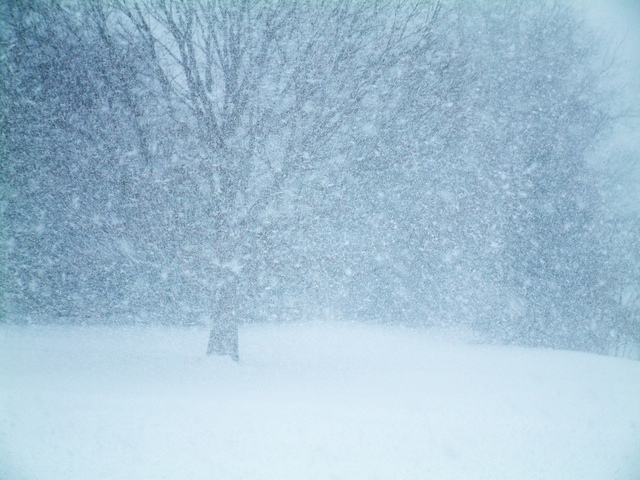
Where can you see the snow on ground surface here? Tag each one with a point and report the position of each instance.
(308, 401)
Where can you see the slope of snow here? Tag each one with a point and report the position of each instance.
(309, 401)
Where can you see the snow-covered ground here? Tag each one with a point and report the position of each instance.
(309, 401)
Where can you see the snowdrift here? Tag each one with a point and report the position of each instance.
(309, 401)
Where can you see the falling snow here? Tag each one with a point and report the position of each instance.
(245, 167)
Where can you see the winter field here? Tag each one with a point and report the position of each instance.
(309, 401)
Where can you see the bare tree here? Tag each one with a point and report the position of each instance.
(264, 87)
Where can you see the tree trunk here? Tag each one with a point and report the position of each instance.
(223, 339)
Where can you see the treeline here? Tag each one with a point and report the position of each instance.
(229, 161)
